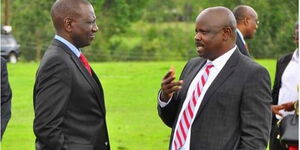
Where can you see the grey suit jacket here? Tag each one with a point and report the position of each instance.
(235, 113)
(68, 104)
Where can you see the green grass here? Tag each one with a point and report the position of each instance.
(130, 94)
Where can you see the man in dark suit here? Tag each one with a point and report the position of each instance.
(5, 97)
(68, 97)
(247, 23)
(222, 100)
(284, 91)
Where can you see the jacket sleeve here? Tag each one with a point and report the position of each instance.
(51, 96)
(169, 113)
(255, 111)
(6, 95)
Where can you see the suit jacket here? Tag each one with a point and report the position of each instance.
(280, 67)
(68, 104)
(240, 44)
(6, 95)
(235, 112)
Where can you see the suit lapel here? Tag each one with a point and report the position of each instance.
(101, 96)
(226, 71)
(241, 45)
(192, 74)
(91, 79)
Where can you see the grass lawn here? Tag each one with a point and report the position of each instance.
(130, 93)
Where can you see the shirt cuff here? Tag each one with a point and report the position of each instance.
(161, 103)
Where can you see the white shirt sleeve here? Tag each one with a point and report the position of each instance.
(161, 103)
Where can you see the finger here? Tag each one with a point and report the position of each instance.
(172, 69)
(175, 89)
(168, 80)
(172, 84)
(280, 114)
(280, 107)
(169, 73)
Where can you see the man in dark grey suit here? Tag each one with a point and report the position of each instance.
(222, 100)
(68, 97)
(247, 24)
(6, 95)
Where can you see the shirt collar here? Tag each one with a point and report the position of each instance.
(296, 56)
(221, 60)
(68, 44)
(241, 35)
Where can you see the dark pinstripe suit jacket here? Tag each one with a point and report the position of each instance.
(235, 112)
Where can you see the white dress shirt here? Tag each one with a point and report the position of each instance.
(218, 64)
(241, 35)
(289, 81)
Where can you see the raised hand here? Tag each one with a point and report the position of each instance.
(169, 86)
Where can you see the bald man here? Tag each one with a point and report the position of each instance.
(247, 23)
(68, 97)
(222, 99)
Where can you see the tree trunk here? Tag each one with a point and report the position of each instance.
(38, 46)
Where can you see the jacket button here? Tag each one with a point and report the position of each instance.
(106, 143)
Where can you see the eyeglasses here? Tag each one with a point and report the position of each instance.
(257, 21)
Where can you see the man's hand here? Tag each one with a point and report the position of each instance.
(169, 86)
(276, 109)
(288, 106)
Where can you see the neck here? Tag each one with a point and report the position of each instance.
(66, 37)
(242, 29)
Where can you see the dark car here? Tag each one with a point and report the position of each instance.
(10, 49)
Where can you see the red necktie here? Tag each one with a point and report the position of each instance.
(185, 121)
(85, 63)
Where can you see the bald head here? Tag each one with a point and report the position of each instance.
(222, 17)
(65, 8)
(242, 11)
(215, 32)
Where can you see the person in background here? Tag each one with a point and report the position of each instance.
(6, 96)
(222, 100)
(68, 97)
(285, 93)
(247, 24)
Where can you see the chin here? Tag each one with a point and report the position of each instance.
(201, 55)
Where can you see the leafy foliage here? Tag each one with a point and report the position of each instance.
(152, 29)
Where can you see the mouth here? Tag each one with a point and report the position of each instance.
(92, 36)
(199, 46)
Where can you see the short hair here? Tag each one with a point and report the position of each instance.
(65, 8)
(241, 11)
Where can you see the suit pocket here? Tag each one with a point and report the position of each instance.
(74, 146)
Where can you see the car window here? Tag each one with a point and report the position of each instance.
(8, 40)
(3, 40)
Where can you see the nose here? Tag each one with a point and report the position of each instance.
(197, 36)
(95, 28)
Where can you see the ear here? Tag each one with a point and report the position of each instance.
(227, 32)
(68, 24)
(246, 21)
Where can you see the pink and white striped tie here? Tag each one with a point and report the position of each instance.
(184, 124)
